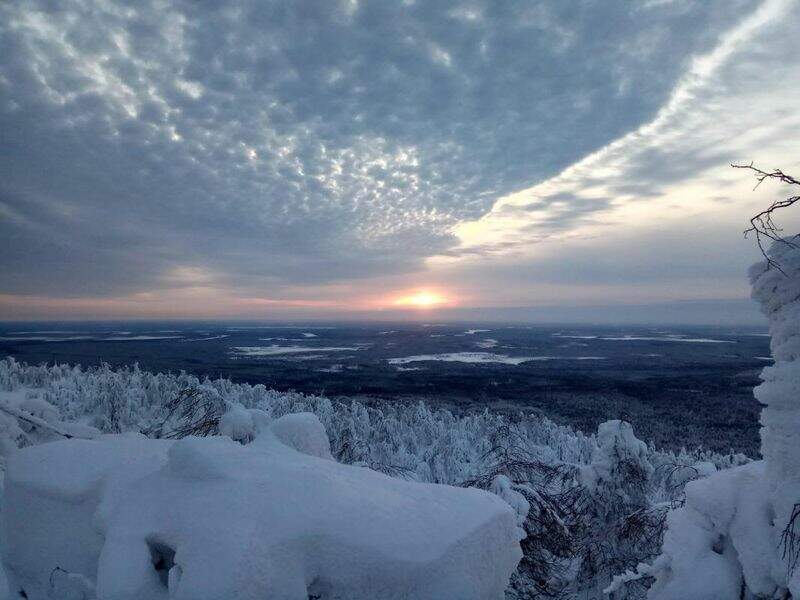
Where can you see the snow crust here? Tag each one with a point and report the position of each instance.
(123, 517)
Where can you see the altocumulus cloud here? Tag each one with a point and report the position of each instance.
(264, 146)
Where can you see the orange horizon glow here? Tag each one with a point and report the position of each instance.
(422, 299)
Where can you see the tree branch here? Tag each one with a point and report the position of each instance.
(763, 224)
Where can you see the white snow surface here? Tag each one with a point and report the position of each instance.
(671, 338)
(482, 358)
(487, 343)
(646, 338)
(141, 338)
(275, 350)
(617, 474)
(464, 357)
(123, 517)
(721, 538)
(44, 338)
(205, 339)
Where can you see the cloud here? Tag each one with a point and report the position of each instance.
(657, 212)
(260, 147)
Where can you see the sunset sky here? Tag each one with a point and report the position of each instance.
(321, 159)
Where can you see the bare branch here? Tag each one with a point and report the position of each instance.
(190, 412)
(762, 224)
(790, 541)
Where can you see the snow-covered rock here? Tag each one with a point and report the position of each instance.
(123, 517)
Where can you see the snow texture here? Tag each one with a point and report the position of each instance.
(123, 517)
(542, 470)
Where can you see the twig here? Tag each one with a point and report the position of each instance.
(763, 224)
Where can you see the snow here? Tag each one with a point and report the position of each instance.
(43, 331)
(487, 343)
(463, 357)
(210, 518)
(239, 423)
(26, 419)
(721, 536)
(503, 487)
(644, 338)
(304, 433)
(576, 337)
(514, 456)
(141, 338)
(482, 358)
(43, 338)
(275, 350)
(616, 443)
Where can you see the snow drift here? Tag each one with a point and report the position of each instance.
(123, 517)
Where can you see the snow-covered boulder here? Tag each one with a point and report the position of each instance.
(123, 517)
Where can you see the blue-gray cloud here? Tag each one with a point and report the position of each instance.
(278, 144)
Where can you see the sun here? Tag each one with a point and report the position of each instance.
(422, 299)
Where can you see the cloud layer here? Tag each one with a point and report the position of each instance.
(658, 213)
(267, 147)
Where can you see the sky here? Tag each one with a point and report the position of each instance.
(316, 159)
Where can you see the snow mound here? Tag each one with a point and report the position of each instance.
(721, 540)
(123, 517)
(304, 433)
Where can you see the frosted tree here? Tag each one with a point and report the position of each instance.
(615, 486)
(738, 533)
(779, 295)
(586, 502)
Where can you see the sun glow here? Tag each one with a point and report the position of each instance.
(422, 299)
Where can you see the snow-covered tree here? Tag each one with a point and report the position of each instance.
(738, 533)
(590, 505)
